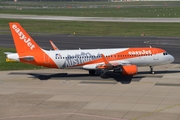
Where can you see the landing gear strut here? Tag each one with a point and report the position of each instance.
(151, 70)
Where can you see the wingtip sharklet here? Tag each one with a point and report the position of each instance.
(53, 45)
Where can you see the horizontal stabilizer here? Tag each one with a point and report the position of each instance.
(27, 58)
(7, 53)
(10, 60)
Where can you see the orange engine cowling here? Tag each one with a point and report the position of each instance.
(129, 70)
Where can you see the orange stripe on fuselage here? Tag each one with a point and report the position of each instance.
(127, 54)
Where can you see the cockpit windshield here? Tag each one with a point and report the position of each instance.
(165, 53)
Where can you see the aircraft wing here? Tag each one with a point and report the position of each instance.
(126, 67)
(111, 64)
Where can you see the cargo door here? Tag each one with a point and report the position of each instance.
(46, 58)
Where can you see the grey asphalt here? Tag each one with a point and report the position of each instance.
(73, 95)
(59, 94)
(100, 19)
(170, 44)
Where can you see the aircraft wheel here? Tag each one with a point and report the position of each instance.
(92, 72)
(152, 72)
(116, 70)
(103, 75)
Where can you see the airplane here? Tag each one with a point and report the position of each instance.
(96, 61)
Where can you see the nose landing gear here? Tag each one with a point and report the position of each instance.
(151, 70)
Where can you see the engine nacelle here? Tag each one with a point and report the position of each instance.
(129, 70)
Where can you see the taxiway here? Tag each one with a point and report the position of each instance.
(74, 95)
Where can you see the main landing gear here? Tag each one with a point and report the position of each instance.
(151, 70)
(102, 73)
(92, 72)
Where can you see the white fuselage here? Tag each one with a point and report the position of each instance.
(74, 58)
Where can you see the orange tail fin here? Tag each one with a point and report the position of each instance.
(22, 40)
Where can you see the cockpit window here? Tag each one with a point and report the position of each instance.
(165, 53)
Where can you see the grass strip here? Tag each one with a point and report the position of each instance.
(93, 28)
(155, 12)
(163, 9)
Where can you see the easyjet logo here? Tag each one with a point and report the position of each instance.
(23, 37)
(140, 52)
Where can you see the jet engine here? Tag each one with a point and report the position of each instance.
(129, 70)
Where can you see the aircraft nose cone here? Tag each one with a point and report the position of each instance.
(172, 58)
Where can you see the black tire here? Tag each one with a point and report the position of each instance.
(92, 72)
(104, 76)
